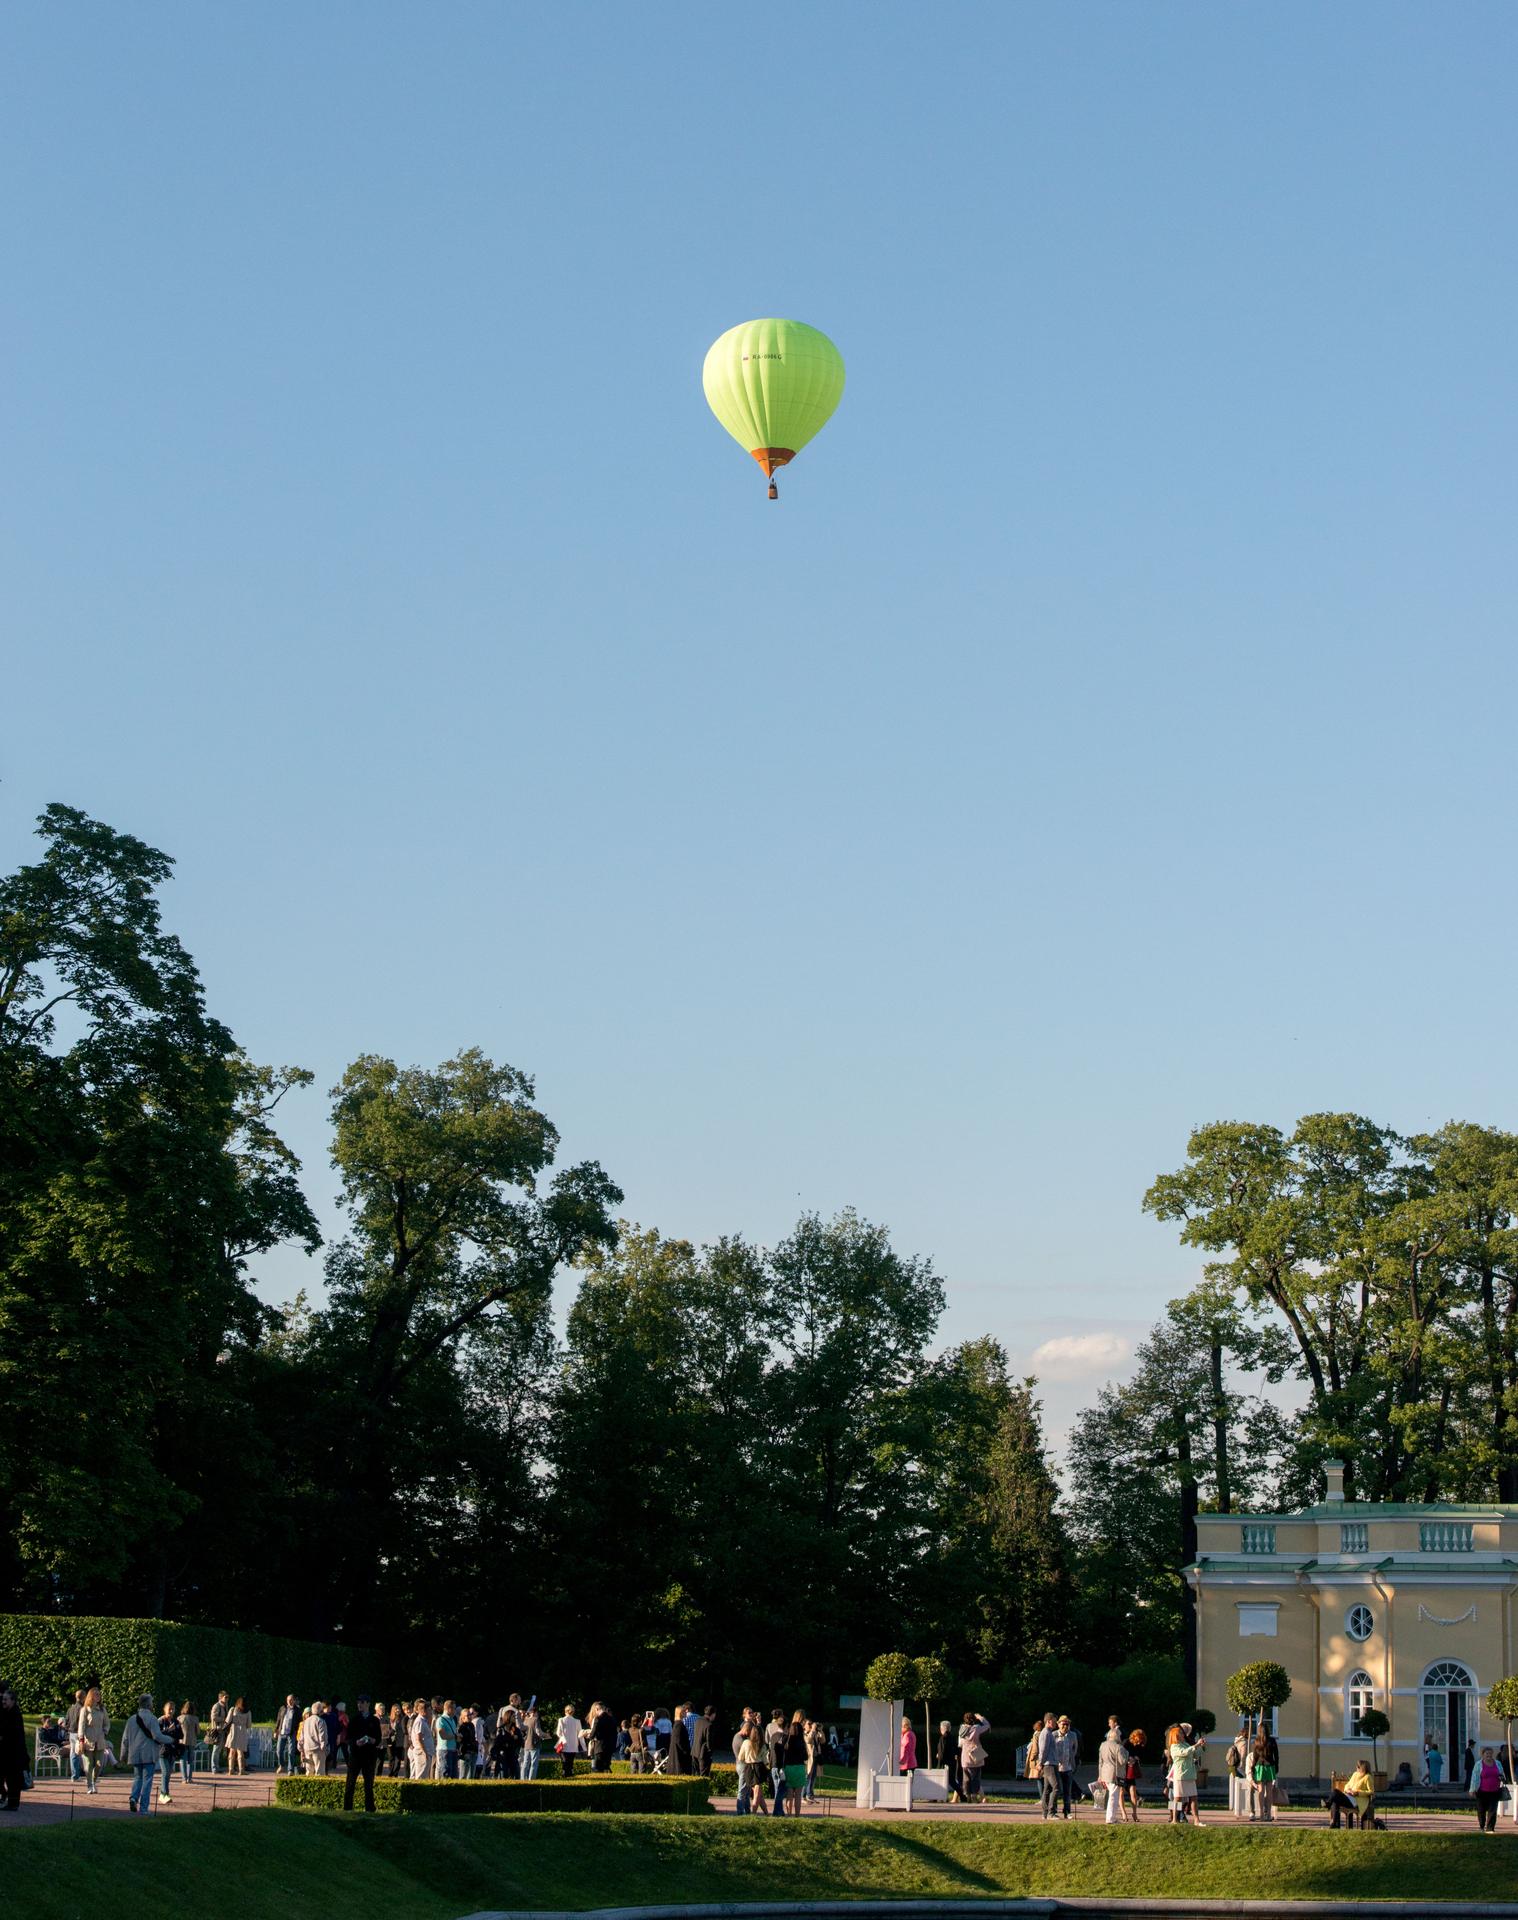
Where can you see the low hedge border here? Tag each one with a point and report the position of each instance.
(584, 1793)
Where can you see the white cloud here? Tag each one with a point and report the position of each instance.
(1080, 1356)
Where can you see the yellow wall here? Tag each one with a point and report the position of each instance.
(1311, 1642)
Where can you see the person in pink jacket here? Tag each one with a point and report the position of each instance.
(907, 1758)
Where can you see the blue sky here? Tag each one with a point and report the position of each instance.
(1108, 731)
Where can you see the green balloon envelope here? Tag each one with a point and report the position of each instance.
(774, 384)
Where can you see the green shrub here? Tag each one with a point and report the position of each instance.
(584, 1793)
(46, 1656)
(890, 1676)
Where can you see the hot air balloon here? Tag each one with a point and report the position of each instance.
(773, 384)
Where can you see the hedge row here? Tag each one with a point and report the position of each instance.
(584, 1793)
(46, 1656)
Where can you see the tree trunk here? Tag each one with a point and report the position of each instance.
(1220, 1427)
(1188, 1553)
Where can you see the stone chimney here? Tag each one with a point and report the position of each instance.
(1333, 1477)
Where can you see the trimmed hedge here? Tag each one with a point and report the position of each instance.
(724, 1780)
(46, 1656)
(583, 1793)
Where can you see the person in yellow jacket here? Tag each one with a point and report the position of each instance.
(1361, 1788)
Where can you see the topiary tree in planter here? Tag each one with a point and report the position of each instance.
(890, 1676)
(1502, 1704)
(1254, 1690)
(1375, 1726)
(931, 1681)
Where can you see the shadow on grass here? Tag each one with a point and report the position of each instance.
(937, 1867)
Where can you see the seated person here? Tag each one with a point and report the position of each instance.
(50, 1734)
(1404, 1777)
(1355, 1796)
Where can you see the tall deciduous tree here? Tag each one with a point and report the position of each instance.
(441, 1170)
(999, 1587)
(141, 1172)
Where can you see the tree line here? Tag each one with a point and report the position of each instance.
(739, 1467)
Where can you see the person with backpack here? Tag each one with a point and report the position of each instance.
(1236, 1758)
(142, 1745)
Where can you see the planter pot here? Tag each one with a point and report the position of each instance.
(1380, 1782)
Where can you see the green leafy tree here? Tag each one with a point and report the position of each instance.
(849, 1319)
(1375, 1726)
(450, 1227)
(1257, 1689)
(931, 1681)
(141, 1173)
(1153, 1453)
(1502, 1704)
(658, 1413)
(999, 1589)
(1391, 1264)
(890, 1676)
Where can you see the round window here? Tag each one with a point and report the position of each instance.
(1359, 1623)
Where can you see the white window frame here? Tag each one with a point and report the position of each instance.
(1359, 1682)
(1251, 1723)
(1259, 1610)
(1350, 1612)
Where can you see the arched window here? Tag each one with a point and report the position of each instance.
(1359, 1698)
(1451, 1706)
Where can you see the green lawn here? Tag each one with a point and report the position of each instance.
(438, 1869)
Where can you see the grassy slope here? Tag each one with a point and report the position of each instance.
(267, 1862)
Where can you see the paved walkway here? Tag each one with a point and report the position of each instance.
(1027, 1814)
(52, 1801)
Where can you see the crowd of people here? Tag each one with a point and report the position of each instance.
(778, 1760)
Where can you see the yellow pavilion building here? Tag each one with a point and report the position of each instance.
(1410, 1609)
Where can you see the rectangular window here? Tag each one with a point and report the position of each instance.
(1445, 1536)
(1257, 1537)
(1352, 1539)
(1260, 1619)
